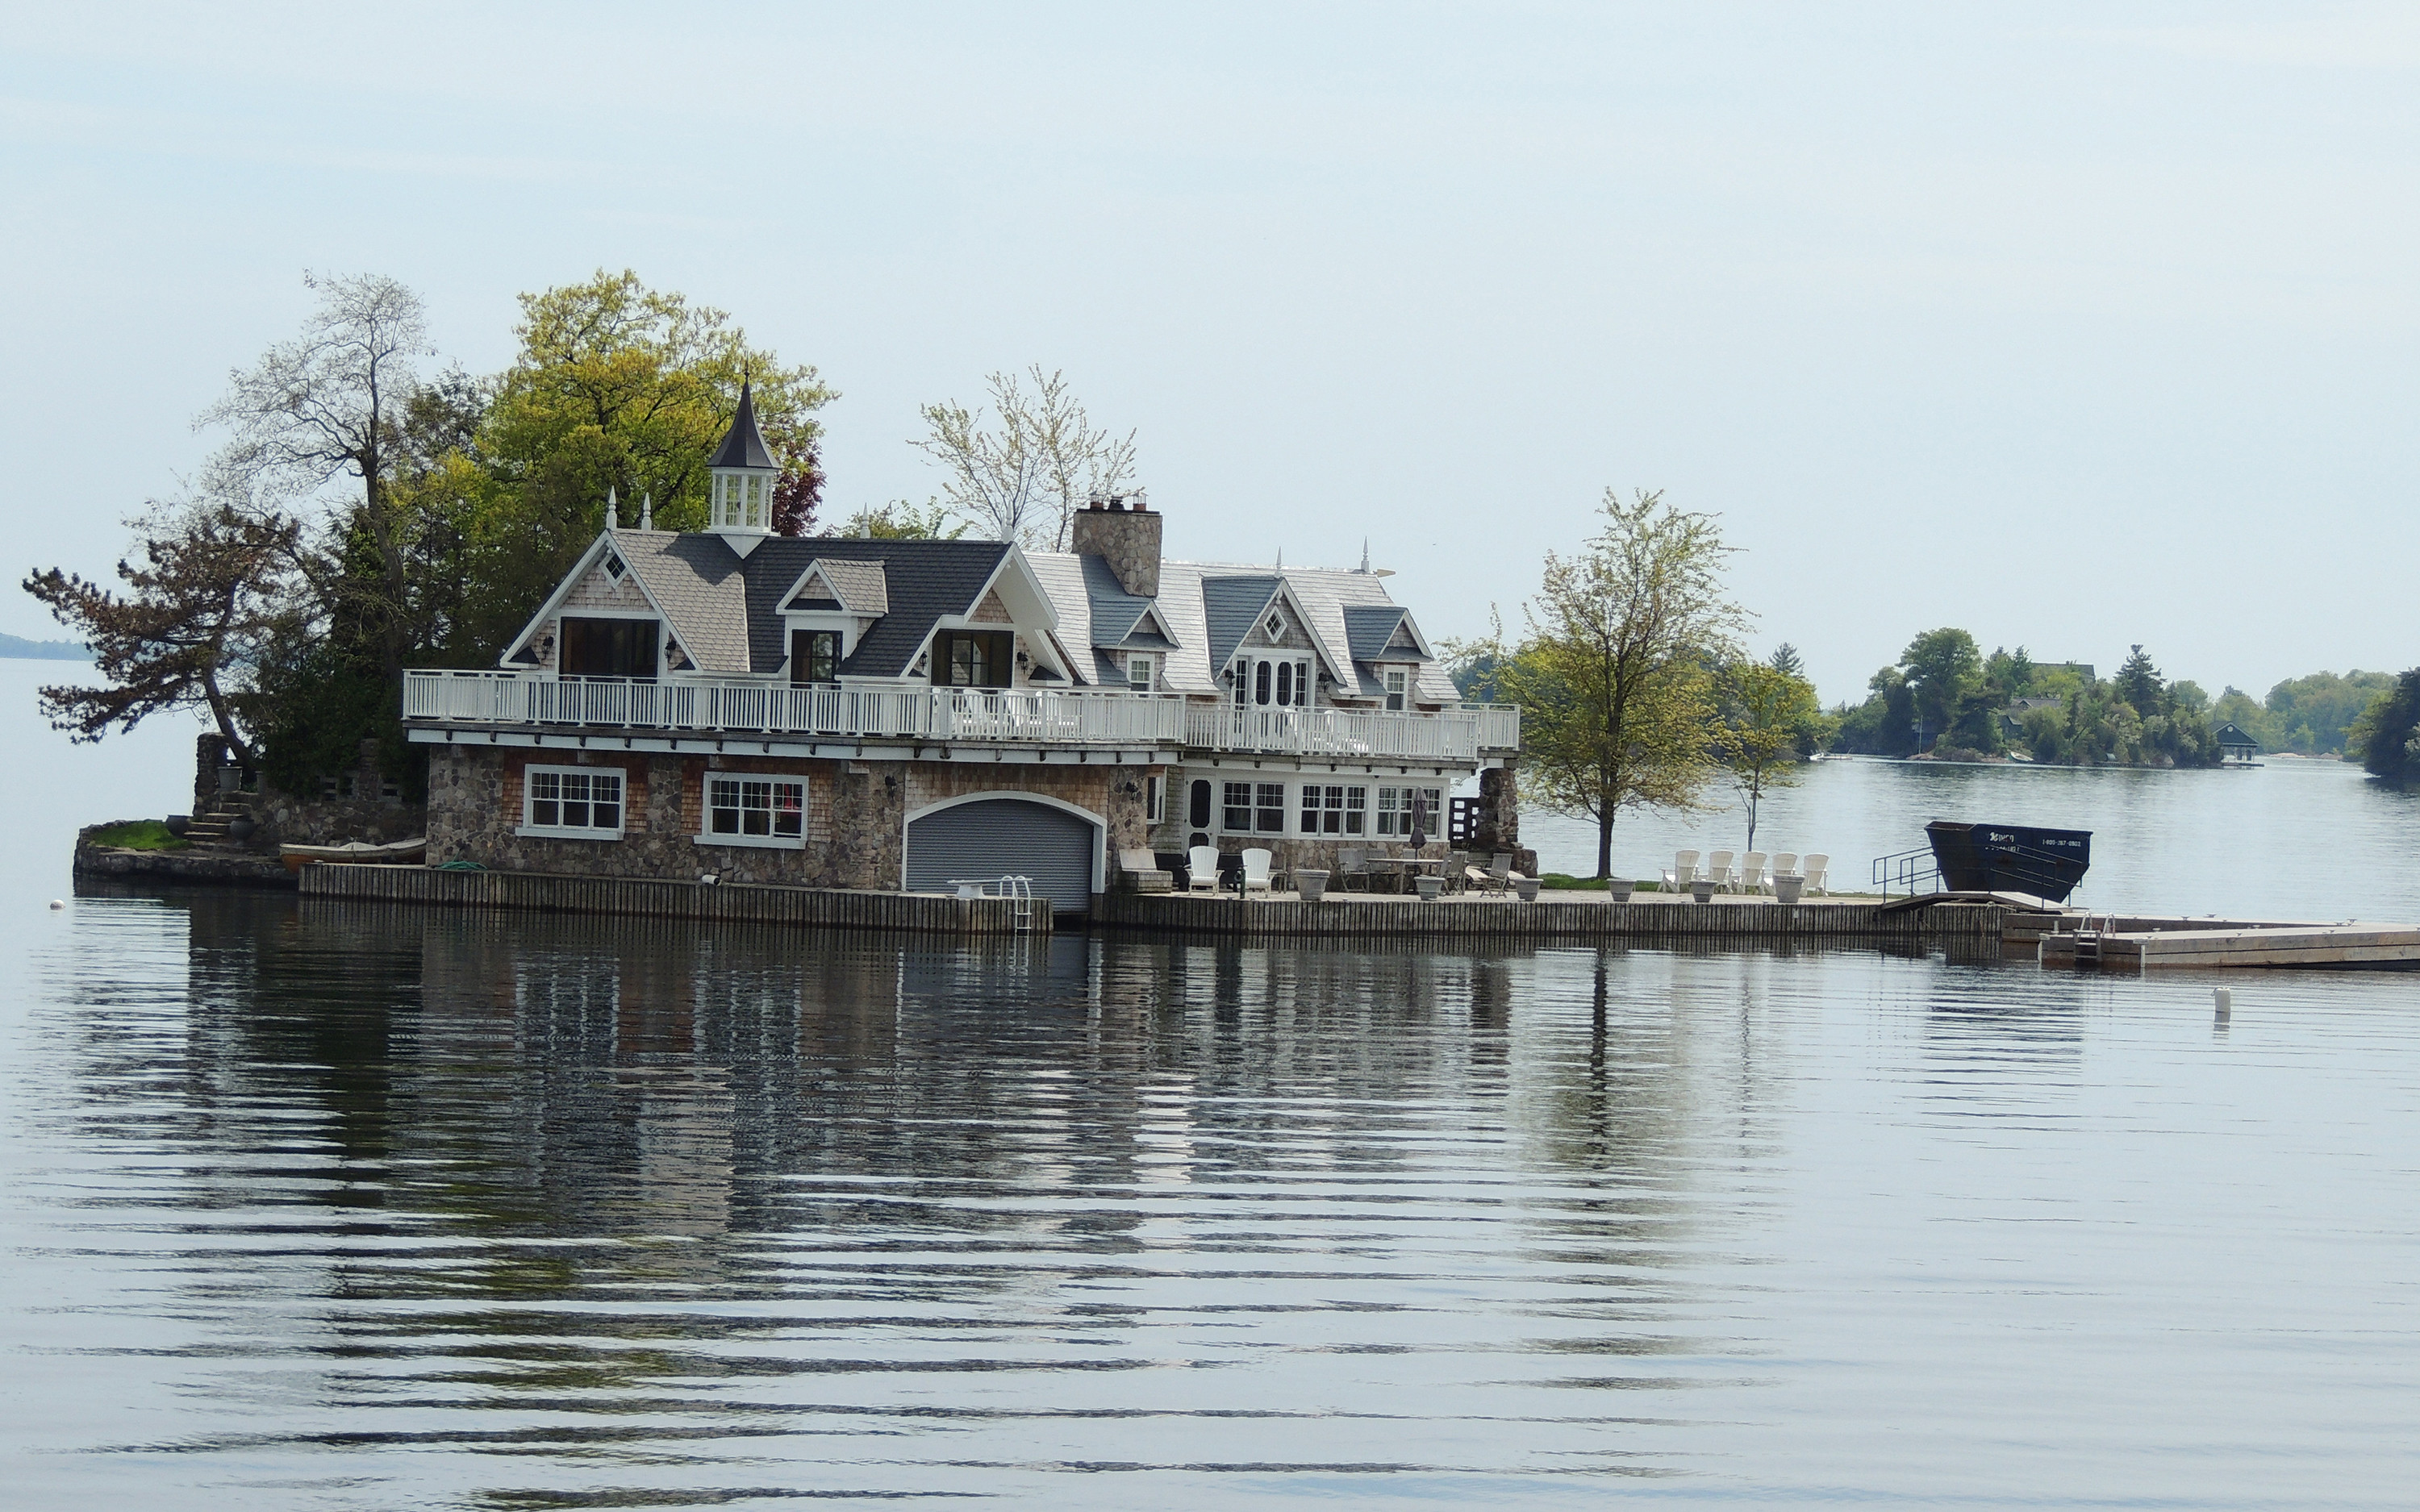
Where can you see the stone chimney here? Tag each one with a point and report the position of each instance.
(1122, 529)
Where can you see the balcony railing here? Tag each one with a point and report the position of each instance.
(1023, 716)
(1450, 736)
(1017, 716)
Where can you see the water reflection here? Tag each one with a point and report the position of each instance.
(562, 1212)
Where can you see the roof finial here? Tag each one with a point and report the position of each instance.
(1281, 559)
(1365, 556)
(610, 521)
(647, 515)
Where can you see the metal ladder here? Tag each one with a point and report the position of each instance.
(1019, 893)
(2088, 942)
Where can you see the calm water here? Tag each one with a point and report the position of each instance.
(338, 1207)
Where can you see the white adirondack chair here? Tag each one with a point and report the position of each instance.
(1785, 864)
(1815, 866)
(1256, 871)
(1751, 873)
(1718, 866)
(1201, 868)
(1682, 870)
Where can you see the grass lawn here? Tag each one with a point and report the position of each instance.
(138, 835)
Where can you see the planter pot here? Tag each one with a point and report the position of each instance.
(1528, 889)
(1618, 892)
(179, 823)
(1430, 888)
(1703, 890)
(1313, 885)
(240, 829)
(1787, 889)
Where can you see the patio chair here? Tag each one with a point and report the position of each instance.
(1202, 869)
(1143, 868)
(1751, 873)
(1682, 870)
(1718, 866)
(1457, 863)
(1499, 876)
(1351, 866)
(1256, 871)
(1785, 864)
(1815, 866)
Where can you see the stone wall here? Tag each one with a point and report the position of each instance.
(306, 819)
(855, 818)
(1128, 540)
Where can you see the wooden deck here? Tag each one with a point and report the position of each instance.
(2206, 943)
(1554, 915)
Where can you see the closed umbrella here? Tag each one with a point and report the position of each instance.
(1420, 820)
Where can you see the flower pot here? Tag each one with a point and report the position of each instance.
(1787, 889)
(1618, 892)
(1703, 890)
(1311, 883)
(179, 823)
(240, 829)
(1528, 889)
(1430, 888)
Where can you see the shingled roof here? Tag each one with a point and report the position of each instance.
(744, 446)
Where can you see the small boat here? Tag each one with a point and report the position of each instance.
(356, 852)
(2041, 863)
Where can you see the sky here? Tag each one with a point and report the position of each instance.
(2075, 326)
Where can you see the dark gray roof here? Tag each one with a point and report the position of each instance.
(1368, 628)
(829, 606)
(1115, 612)
(2231, 733)
(744, 446)
(727, 612)
(1230, 608)
(924, 581)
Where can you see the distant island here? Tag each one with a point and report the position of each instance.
(16, 645)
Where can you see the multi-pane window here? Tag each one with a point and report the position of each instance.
(765, 810)
(1395, 809)
(1284, 683)
(973, 658)
(1268, 808)
(1398, 687)
(814, 656)
(1330, 809)
(1139, 674)
(581, 801)
(1235, 808)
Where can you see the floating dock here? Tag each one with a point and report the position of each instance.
(2146, 945)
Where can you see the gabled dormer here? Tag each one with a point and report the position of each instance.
(739, 501)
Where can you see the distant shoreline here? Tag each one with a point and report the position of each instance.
(17, 647)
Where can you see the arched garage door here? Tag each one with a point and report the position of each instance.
(993, 838)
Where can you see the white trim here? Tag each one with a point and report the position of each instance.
(621, 805)
(1100, 826)
(770, 842)
(552, 609)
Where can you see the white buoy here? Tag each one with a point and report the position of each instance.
(56, 904)
(2225, 999)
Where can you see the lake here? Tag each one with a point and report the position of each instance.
(340, 1206)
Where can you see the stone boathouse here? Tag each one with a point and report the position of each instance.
(884, 714)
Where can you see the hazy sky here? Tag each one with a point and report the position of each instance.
(2075, 326)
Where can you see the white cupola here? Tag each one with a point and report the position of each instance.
(739, 503)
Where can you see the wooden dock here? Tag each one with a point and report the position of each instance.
(814, 907)
(2206, 943)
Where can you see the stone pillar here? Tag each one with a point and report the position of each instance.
(1498, 827)
(210, 754)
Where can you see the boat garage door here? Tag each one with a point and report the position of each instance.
(992, 838)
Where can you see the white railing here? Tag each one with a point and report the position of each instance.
(1499, 725)
(941, 714)
(1450, 736)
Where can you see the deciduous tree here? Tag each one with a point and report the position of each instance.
(1763, 714)
(1024, 479)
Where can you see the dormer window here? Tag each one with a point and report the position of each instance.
(1140, 673)
(1398, 685)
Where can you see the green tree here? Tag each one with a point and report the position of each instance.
(2324, 703)
(1763, 715)
(1612, 676)
(900, 520)
(1785, 659)
(2388, 730)
(1942, 667)
(623, 388)
(1025, 480)
(2138, 683)
(208, 587)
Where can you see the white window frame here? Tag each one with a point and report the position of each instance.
(1335, 808)
(1154, 801)
(1227, 807)
(531, 784)
(1398, 684)
(1263, 805)
(1393, 818)
(774, 782)
(1148, 666)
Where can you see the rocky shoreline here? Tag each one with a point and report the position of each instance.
(220, 865)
